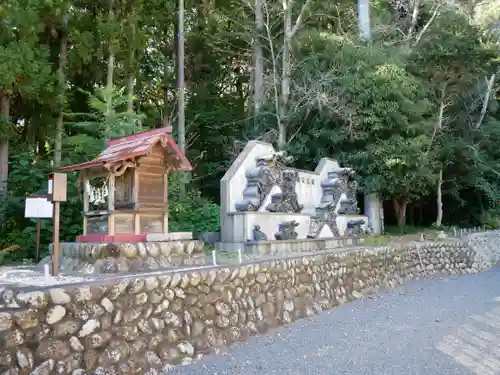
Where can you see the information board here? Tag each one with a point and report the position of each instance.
(38, 208)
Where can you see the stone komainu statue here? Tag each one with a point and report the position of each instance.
(339, 198)
(261, 179)
(287, 231)
(286, 201)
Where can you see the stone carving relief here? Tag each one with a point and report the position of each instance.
(260, 180)
(287, 231)
(349, 188)
(338, 198)
(286, 201)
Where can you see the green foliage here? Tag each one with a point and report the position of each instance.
(491, 218)
(23, 60)
(367, 110)
(373, 106)
(27, 176)
(107, 123)
(191, 213)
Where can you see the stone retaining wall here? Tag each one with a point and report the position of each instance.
(145, 325)
(486, 247)
(130, 257)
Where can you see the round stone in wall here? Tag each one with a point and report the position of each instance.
(189, 247)
(55, 314)
(177, 247)
(6, 321)
(152, 249)
(141, 248)
(165, 248)
(129, 250)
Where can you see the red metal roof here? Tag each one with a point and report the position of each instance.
(133, 146)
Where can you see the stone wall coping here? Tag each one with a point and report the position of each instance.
(300, 240)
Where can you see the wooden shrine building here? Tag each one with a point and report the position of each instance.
(126, 187)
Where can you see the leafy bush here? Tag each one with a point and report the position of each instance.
(29, 175)
(191, 213)
(491, 218)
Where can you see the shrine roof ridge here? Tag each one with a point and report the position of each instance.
(132, 146)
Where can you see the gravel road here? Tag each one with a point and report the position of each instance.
(433, 327)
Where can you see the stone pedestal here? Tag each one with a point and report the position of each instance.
(375, 211)
(131, 257)
(242, 225)
(290, 247)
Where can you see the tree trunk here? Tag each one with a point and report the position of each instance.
(61, 77)
(41, 151)
(285, 78)
(289, 33)
(181, 127)
(439, 192)
(111, 65)
(181, 130)
(138, 90)
(364, 19)
(400, 210)
(486, 100)
(109, 82)
(168, 51)
(4, 145)
(130, 93)
(413, 23)
(258, 74)
(439, 200)
(131, 69)
(165, 109)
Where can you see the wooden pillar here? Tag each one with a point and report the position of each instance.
(55, 238)
(111, 204)
(85, 180)
(137, 217)
(165, 202)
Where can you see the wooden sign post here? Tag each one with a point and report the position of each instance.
(38, 207)
(57, 193)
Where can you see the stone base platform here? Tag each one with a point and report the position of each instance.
(287, 247)
(242, 225)
(92, 258)
(132, 237)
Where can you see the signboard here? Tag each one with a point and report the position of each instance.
(57, 187)
(38, 208)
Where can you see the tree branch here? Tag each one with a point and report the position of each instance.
(300, 18)
(439, 122)
(486, 100)
(428, 24)
(414, 19)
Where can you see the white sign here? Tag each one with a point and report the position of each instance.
(38, 208)
(50, 187)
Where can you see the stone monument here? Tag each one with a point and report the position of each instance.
(265, 200)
